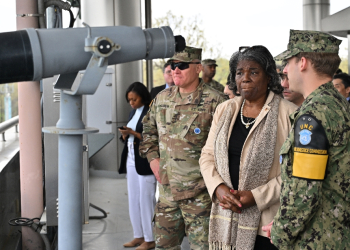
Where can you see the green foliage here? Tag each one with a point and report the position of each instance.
(344, 64)
(13, 90)
(191, 29)
(158, 78)
(222, 70)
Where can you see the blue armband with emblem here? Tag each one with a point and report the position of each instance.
(311, 149)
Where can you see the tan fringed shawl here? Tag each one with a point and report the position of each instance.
(228, 230)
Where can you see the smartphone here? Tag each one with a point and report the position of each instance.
(122, 128)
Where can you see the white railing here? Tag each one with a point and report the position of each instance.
(7, 125)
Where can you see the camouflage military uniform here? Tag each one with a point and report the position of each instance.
(215, 85)
(175, 130)
(315, 197)
(315, 213)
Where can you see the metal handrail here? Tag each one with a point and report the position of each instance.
(7, 125)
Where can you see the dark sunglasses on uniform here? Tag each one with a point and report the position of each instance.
(182, 65)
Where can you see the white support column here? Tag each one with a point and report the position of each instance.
(108, 13)
(313, 12)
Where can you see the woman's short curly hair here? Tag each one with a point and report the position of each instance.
(261, 55)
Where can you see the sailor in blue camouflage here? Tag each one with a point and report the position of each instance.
(315, 161)
(174, 131)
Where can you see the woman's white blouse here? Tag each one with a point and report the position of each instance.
(133, 122)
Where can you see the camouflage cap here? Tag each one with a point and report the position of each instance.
(309, 41)
(188, 54)
(209, 62)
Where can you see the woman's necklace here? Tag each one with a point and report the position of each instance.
(247, 124)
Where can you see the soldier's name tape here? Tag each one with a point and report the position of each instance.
(311, 151)
(307, 151)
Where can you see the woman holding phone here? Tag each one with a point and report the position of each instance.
(140, 178)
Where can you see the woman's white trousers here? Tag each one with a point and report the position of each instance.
(141, 194)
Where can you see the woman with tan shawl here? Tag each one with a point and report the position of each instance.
(240, 161)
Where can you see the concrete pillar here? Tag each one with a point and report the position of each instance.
(109, 13)
(30, 139)
(313, 12)
(126, 13)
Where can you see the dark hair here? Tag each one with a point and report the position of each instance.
(338, 71)
(141, 90)
(261, 55)
(166, 65)
(229, 83)
(345, 78)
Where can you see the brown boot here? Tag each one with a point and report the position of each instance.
(135, 242)
(146, 245)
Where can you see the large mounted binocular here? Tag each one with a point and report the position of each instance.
(34, 54)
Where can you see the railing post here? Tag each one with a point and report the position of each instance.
(7, 125)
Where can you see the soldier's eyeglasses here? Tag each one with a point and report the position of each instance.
(182, 65)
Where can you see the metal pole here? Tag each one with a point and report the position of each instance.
(149, 63)
(31, 175)
(50, 17)
(70, 193)
(313, 12)
(70, 129)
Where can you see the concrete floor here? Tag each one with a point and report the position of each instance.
(110, 233)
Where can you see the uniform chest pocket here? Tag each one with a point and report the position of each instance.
(188, 124)
(197, 128)
(161, 121)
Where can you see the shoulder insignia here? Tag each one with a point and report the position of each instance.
(311, 149)
(305, 136)
(197, 131)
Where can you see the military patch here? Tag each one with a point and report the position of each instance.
(197, 131)
(305, 136)
(310, 154)
(281, 159)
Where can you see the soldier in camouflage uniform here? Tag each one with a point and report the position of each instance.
(315, 197)
(208, 73)
(174, 132)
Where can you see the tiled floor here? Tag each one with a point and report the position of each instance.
(110, 233)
